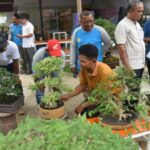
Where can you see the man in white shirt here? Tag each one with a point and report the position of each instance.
(9, 55)
(27, 41)
(129, 38)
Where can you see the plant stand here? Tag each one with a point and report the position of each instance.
(7, 122)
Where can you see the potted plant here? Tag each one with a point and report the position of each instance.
(120, 105)
(11, 99)
(110, 60)
(63, 135)
(49, 74)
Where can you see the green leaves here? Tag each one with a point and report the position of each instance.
(48, 73)
(107, 25)
(50, 100)
(9, 83)
(123, 93)
(34, 134)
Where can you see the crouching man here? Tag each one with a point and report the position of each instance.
(53, 49)
(92, 72)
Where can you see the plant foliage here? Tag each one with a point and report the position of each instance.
(48, 73)
(121, 96)
(34, 134)
(9, 83)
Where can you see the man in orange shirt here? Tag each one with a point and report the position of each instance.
(92, 72)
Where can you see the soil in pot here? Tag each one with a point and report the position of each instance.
(115, 123)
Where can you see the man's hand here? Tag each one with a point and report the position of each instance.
(19, 35)
(65, 97)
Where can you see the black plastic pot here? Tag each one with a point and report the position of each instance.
(90, 109)
(112, 120)
(17, 102)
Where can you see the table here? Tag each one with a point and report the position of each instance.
(142, 130)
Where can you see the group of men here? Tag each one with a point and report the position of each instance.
(87, 45)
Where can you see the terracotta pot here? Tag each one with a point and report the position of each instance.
(52, 113)
(7, 122)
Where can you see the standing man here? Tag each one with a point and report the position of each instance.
(129, 38)
(27, 41)
(15, 29)
(88, 33)
(9, 55)
(147, 40)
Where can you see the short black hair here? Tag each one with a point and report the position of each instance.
(132, 4)
(16, 16)
(85, 13)
(24, 16)
(89, 50)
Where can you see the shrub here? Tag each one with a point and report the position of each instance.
(34, 134)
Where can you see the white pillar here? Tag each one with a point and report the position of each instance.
(79, 6)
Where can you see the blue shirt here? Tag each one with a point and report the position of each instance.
(14, 30)
(96, 36)
(84, 37)
(147, 33)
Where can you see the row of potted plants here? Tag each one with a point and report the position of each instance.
(76, 134)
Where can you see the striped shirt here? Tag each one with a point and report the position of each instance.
(131, 35)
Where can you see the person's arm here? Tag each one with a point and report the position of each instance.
(15, 56)
(16, 66)
(123, 55)
(147, 40)
(25, 36)
(105, 39)
(73, 52)
(30, 33)
(79, 89)
(10, 33)
(121, 38)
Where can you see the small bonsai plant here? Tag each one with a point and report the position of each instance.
(11, 99)
(61, 135)
(118, 99)
(9, 86)
(48, 73)
(8, 83)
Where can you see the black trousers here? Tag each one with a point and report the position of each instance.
(148, 65)
(9, 68)
(139, 73)
(28, 57)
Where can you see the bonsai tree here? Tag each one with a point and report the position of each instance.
(118, 99)
(9, 85)
(48, 73)
(63, 135)
(11, 99)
